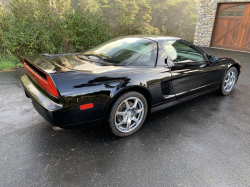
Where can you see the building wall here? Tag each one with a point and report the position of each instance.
(205, 21)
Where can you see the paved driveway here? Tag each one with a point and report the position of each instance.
(203, 142)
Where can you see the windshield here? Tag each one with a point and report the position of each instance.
(125, 51)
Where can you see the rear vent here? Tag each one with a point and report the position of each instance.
(41, 78)
(40, 73)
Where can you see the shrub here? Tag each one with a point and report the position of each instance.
(43, 26)
(83, 30)
(9, 61)
(29, 27)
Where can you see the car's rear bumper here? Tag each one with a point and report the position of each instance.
(51, 111)
(54, 113)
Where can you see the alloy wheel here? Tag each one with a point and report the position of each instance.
(230, 81)
(129, 114)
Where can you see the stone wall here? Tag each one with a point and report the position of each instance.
(205, 21)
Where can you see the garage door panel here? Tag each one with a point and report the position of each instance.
(230, 28)
(227, 32)
(246, 39)
(232, 37)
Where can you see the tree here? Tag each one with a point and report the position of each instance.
(144, 16)
(133, 9)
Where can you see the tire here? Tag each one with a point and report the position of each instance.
(128, 114)
(229, 81)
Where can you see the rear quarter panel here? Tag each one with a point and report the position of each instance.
(78, 88)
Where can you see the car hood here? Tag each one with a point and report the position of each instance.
(66, 63)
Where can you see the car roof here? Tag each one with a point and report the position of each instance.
(157, 38)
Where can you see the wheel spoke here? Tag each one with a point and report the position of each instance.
(232, 75)
(127, 105)
(135, 104)
(120, 113)
(226, 86)
(138, 111)
(121, 123)
(135, 119)
(128, 124)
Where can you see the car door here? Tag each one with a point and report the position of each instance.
(192, 73)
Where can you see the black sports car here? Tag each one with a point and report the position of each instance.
(122, 80)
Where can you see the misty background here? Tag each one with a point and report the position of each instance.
(63, 26)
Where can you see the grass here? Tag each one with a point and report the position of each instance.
(8, 62)
(8, 65)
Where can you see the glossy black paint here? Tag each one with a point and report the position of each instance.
(81, 82)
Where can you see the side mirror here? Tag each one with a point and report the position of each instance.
(169, 61)
(212, 58)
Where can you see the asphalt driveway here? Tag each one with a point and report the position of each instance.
(202, 142)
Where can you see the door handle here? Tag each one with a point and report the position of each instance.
(242, 25)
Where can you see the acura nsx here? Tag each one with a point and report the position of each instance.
(120, 82)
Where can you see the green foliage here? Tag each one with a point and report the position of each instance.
(31, 27)
(144, 16)
(133, 9)
(64, 26)
(9, 61)
(125, 25)
(84, 30)
(7, 65)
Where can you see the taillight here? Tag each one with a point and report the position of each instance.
(41, 78)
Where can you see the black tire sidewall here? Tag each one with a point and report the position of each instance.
(223, 92)
(111, 120)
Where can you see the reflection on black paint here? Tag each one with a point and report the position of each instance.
(108, 82)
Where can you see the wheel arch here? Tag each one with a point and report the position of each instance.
(142, 90)
(237, 66)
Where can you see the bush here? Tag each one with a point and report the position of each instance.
(9, 61)
(83, 30)
(29, 27)
(37, 26)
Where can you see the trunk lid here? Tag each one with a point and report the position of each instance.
(52, 64)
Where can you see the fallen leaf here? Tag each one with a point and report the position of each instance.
(68, 158)
(46, 167)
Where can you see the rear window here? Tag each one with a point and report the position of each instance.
(125, 51)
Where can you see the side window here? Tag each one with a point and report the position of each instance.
(182, 52)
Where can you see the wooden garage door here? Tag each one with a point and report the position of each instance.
(232, 27)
